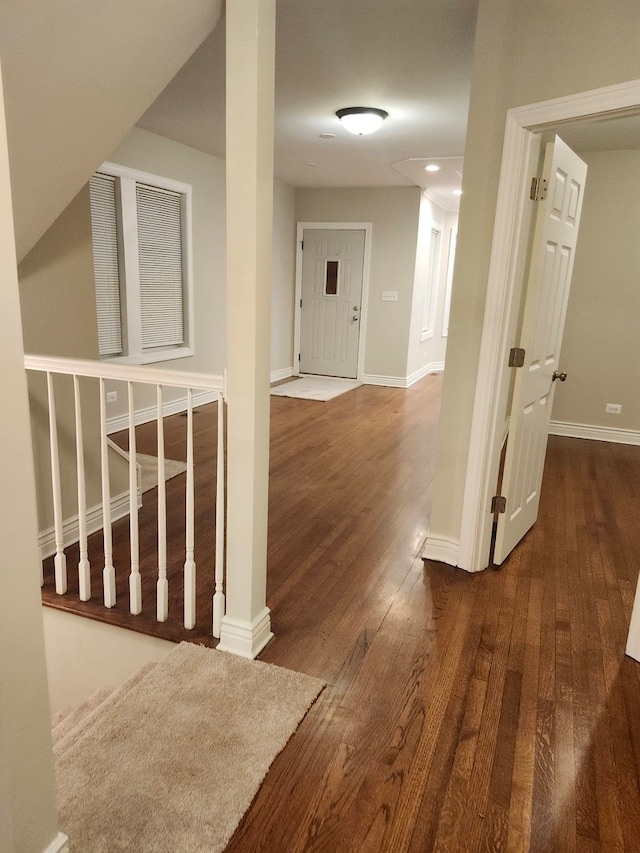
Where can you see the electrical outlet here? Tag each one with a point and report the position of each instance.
(112, 396)
(389, 295)
(613, 409)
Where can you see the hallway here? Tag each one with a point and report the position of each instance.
(494, 711)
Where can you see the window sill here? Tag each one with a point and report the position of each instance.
(151, 357)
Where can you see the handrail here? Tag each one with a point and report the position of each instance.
(64, 530)
(124, 372)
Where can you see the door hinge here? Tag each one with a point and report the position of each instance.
(301, 303)
(516, 357)
(298, 356)
(302, 245)
(498, 504)
(539, 187)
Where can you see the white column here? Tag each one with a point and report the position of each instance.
(27, 791)
(633, 639)
(246, 627)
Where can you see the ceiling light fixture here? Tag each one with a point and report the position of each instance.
(361, 120)
(432, 167)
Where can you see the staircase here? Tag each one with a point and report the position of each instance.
(173, 758)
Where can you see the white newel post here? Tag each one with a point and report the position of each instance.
(27, 786)
(246, 626)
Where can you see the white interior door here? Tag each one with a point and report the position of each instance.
(332, 272)
(552, 257)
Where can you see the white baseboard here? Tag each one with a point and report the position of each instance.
(432, 367)
(71, 529)
(150, 413)
(246, 639)
(594, 433)
(277, 375)
(388, 381)
(58, 845)
(441, 549)
(403, 381)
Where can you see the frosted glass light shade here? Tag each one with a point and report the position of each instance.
(361, 120)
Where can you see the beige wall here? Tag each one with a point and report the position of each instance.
(601, 345)
(57, 299)
(525, 52)
(68, 109)
(27, 787)
(284, 277)
(394, 214)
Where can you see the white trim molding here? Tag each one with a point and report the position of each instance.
(367, 227)
(278, 375)
(387, 381)
(246, 639)
(58, 845)
(403, 381)
(441, 549)
(595, 433)
(150, 413)
(427, 370)
(95, 522)
(522, 125)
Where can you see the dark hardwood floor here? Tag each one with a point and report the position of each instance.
(486, 712)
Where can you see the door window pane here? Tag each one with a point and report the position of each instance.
(331, 278)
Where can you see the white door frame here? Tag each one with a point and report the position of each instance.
(367, 227)
(487, 428)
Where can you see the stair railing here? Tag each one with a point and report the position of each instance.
(207, 388)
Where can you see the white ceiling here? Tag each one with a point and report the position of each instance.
(409, 57)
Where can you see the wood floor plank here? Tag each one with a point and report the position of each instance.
(520, 806)
(462, 713)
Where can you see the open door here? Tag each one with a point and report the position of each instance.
(552, 257)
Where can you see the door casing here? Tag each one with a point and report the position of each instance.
(523, 125)
(367, 227)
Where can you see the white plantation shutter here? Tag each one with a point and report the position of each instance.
(105, 264)
(161, 268)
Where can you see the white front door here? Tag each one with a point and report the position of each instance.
(332, 272)
(552, 256)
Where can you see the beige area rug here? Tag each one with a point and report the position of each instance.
(172, 759)
(149, 470)
(315, 388)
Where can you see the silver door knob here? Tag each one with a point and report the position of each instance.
(355, 317)
(561, 376)
(356, 307)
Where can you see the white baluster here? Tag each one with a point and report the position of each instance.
(189, 563)
(218, 598)
(84, 569)
(60, 560)
(109, 572)
(135, 581)
(162, 610)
